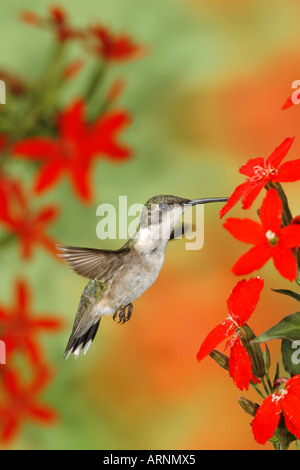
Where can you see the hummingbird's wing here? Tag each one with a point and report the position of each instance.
(92, 262)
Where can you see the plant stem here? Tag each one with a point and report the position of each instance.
(269, 382)
(287, 215)
(265, 386)
(96, 77)
(255, 386)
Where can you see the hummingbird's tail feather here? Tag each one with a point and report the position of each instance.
(87, 320)
(78, 343)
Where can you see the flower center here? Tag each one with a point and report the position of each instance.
(271, 236)
(229, 317)
(68, 150)
(263, 173)
(279, 394)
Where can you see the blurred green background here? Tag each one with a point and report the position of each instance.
(204, 100)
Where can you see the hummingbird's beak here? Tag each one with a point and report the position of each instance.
(194, 202)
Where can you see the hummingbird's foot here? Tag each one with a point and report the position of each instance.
(123, 315)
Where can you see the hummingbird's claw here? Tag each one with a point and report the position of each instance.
(122, 314)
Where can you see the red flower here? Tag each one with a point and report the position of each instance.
(285, 399)
(57, 21)
(260, 172)
(75, 148)
(270, 240)
(19, 219)
(21, 403)
(111, 47)
(18, 327)
(241, 304)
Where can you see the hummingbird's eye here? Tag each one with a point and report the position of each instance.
(163, 207)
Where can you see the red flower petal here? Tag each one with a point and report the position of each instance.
(71, 122)
(293, 385)
(288, 103)
(43, 413)
(252, 260)
(266, 419)
(291, 405)
(234, 198)
(240, 365)
(280, 152)
(47, 323)
(22, 295)
(81, 182)
(10, 382)
(58, 14)
(103, 134)
(252, 163)
(215, 337)
(41, 379)
(244, 298)
(290, 235)
(294, 429)
(33, 350)
(47, 215)
(285, 261)
(288, 172)
(48, 176)
(252, 193)
(9, 429)
(35, 148)
(271, 212)
(245, 230)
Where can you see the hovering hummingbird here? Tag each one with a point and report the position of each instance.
(118, 277)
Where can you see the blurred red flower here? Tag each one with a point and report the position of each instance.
(241, 304)
(75, 148)
(260, 172)
(19, 328)
(21, 402)
(57, 21)
(270, 240)
(112, 47)
(19, 219)
(285, 399)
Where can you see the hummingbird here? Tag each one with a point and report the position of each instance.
(118, 277)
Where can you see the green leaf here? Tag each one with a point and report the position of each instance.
(287, 328)
(290, 293)
(290, 351)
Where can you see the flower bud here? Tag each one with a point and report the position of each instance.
(220, 358)
(254, 351)
(248, 406)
